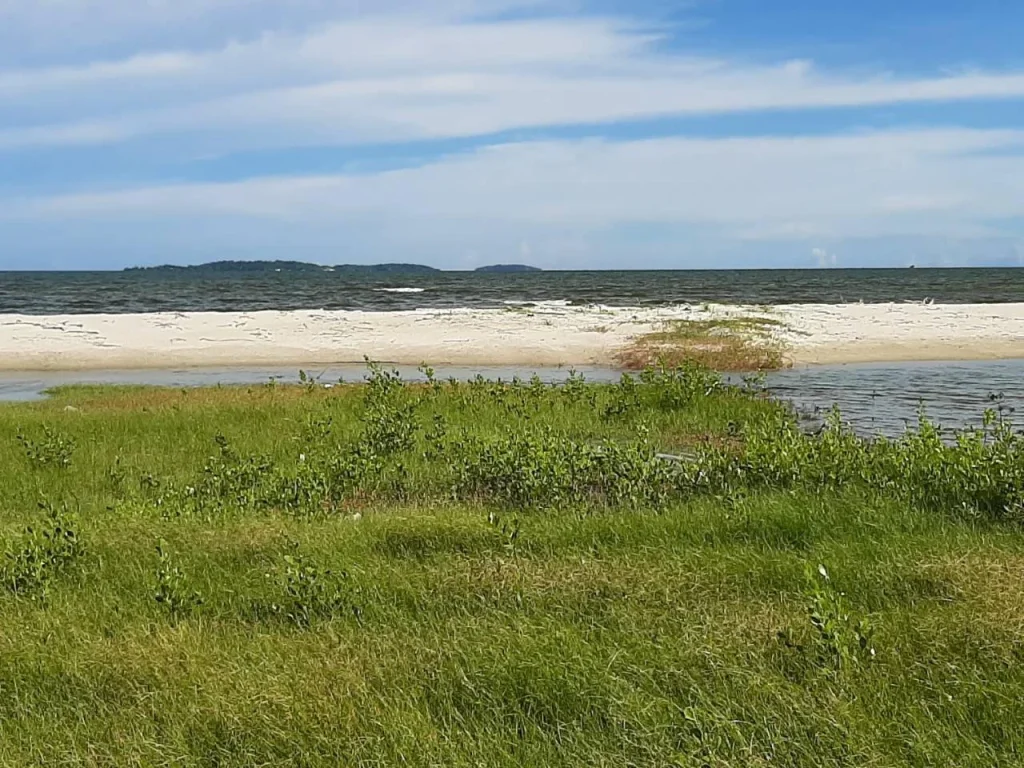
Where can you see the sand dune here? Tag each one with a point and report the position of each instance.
(550, 335)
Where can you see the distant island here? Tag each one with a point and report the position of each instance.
(235, 267)
(508, 268)
(258, 267)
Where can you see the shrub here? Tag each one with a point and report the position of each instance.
(172, 586)
(309, 592)
(53, 450)
(46, 552)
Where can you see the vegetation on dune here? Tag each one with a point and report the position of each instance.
(665, 571)
(721, 344)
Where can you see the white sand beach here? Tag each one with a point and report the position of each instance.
(542, 336)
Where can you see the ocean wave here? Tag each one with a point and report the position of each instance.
(548, 303)
(400, 290)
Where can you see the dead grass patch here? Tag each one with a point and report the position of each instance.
(722, 344)
(992, 583)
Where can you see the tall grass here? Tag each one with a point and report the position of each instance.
(665, 571)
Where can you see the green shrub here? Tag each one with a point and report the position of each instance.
(46, 552)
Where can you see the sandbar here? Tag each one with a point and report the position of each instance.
(520, 336)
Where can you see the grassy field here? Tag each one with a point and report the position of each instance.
(502, 574)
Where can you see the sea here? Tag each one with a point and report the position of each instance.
(874, 398)
(41, 293)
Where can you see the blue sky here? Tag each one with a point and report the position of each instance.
(564, 133)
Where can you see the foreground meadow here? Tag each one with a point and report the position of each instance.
(661, 572)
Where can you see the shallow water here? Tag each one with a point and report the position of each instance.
(33, 386)
(883, 398)
(875, 398)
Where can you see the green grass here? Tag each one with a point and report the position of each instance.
(484, 575)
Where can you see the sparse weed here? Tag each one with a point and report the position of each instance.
(55, 449)
(724, 344)
(839, 639)
(309, 592)
(309, 381)
(509, 529)
(173, 591)
(46, 552)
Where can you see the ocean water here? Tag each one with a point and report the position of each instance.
(124, 292)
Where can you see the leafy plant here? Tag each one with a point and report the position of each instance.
(53, 450)
(574, 388)
(46, 552)
(232, 480)
(839, 638)
(435, 386)
(625, 398)
(389, 423)
(309, 381)
(172, 586)
(532, 464)
(541, 468)
(509, 529)
(310, 592)
(675, 388)
(117, 475)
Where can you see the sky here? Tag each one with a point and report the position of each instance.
(567, 134)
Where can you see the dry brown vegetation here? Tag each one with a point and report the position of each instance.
(723, 344)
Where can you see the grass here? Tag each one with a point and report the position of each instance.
(722, 344)
(492, 574)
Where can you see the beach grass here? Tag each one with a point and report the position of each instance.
(666, 571)
(744, 343)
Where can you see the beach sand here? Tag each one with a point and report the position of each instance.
(541, 336)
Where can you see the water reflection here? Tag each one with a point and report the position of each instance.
(880, 398)
(883, 398)
(33, 386)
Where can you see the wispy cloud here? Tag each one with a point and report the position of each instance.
(44, 30)
(400, 78)
(935, 182)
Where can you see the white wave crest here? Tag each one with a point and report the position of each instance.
(549, 303)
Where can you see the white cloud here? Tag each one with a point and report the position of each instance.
(387, 77)
(41, 30)
(21, 83)
(912, 182)
(356, 50)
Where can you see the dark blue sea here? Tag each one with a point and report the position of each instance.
(154, 291)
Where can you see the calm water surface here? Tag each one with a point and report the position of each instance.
(875, 398)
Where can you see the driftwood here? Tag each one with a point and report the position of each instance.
(674, 457)
(679, 458)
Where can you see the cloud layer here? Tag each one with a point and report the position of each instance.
(184, 79)
(402, 78)
(894, 183)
